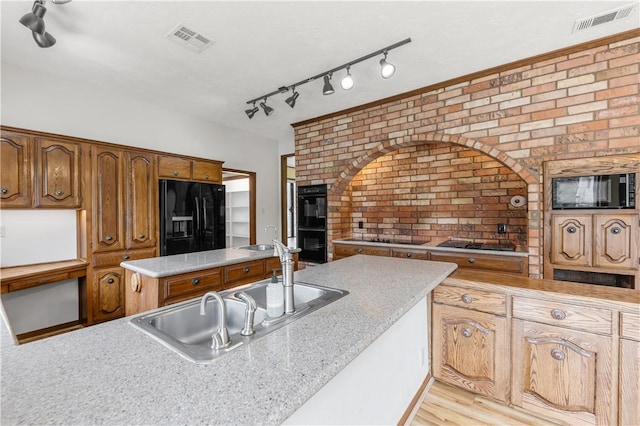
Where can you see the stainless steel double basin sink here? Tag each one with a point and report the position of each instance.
(181, 328)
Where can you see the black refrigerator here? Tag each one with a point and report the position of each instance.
(191, 217)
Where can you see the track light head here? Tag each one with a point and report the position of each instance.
(291, 100)
(266, 108)
(33, 20)
(327, 89)
(251, 111)
(386, 69)
(44, 40)
(347, 81)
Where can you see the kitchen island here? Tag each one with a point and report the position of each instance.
(113, 374)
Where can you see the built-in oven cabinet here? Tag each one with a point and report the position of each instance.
(312, 223)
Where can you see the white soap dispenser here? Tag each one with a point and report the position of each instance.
(275, 297)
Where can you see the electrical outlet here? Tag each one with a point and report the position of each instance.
(3, 232)
(502, 228)
(360, 224)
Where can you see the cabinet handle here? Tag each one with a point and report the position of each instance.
(4, 190)
(141, 236)
(175, 173)
(616, 230)
(359, 250)
(466, 332)
(558, 355)
(472, 260)
(195, 281)
(246, 269)
(125, 257)
(108, 238)
(558, 314)
(206, 177)
(466, 298)
(572, 229)
(409, 254)
(58, 192)
(110, 281)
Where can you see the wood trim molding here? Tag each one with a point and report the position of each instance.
(414, 406)
(252, 201)
(283, 197)
(501, 68)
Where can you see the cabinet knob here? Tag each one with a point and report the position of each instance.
(558, 355)
(359, 250)
(141, 236)
(409, 254)
(466, 298)
(4, 191)
(246, 269)
(616, 230)
(206, 177)
(195, 281)
(558, 314)
(110, 281)
(58, 192)
(108, 238)
(572, 229)
(125, 257)
(472, 260)
(466, 332)
(175, 173)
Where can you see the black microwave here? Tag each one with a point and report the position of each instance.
(616, 191)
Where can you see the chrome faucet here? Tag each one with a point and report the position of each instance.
(249, 312)
(286, 259)
(219, 339)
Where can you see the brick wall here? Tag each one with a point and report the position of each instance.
(581, 103)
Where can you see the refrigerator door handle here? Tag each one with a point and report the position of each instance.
(196, 231)
(204, 215)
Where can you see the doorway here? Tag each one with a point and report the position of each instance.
(288, 196)
(240, 207)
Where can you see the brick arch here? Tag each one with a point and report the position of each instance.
(338, 214)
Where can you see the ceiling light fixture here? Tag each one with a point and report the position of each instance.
(327, 89)
(387, 70)
(291, 100)
(34, 20)
(252, 111)
(347, 81)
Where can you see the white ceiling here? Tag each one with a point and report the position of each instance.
(259, 46)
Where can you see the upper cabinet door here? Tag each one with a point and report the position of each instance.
(58, 171)
(15, 173)
(107, 199)
(207, 171)
(571, 243)
(142, 190)
(616, 241)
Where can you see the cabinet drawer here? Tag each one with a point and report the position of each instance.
(114, 258)
(244, 272)
(210, 172)
(486, 262)
(350, 250)
(594, 320)
(479, 300)
(174, 167)
(630, 325)
(410, 254)
(192, 282)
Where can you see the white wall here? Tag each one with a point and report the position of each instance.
(37, 102)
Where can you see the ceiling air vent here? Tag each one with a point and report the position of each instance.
(190, 39)
(603, 18)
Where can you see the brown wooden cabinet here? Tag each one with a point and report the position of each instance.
(471, 344)
(107, 192)
(571, 244)
(141, 189)
(416, 254)
(184, 168)
(486, 262)
(107, 293)
(629, 368)
(616, 241)
(346, 250)
(16, 188)
(58, 174)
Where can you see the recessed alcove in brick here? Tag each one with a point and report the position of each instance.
(435, 191)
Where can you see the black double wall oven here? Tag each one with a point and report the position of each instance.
(191, 217)
(312, 223)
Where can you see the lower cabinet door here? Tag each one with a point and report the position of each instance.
(563, 373)
(471, 350)
(629, 382)
(107, 294)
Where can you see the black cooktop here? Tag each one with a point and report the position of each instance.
(478, 246)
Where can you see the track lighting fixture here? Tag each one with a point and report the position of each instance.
(347, 81)
(251, 111)
(34, 20)
(266, 108)
(386, 69)
(327, 89)
(291, 100)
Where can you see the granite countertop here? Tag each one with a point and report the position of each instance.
(432, 246)
(158, 267)
(113, 374)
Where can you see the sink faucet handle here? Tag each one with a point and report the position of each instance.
(282, 251)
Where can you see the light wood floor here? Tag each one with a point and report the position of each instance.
(448, 405)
